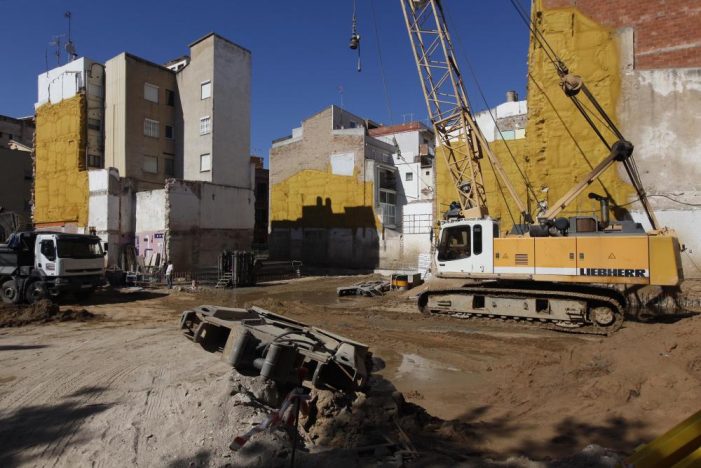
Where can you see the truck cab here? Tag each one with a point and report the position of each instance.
(40, 264)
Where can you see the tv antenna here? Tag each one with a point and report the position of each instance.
(70, 46)
(56, 42)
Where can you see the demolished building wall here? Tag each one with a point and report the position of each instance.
(192, 222)
(151, 225)
(325, 204)
(203, 219)
(111, 211)
(61, 179)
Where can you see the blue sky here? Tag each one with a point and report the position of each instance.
(300, 51)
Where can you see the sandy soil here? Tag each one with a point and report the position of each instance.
(128, 388)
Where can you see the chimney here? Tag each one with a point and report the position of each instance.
(511, 96)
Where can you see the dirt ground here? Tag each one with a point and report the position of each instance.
(127, 388)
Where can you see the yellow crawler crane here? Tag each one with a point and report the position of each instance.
(559, 271)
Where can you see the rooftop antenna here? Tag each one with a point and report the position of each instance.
(56, 42)
(340, 91)
(70, 47)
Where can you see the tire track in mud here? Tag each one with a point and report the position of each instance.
(81, 385)
(50, 386)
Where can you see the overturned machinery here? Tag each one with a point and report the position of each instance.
(259, 342)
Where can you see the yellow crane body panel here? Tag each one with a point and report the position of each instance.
(647, 259)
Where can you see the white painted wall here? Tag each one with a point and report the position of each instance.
(660, 113)
(409, 143)
(485, 121)
(209, 206)
(65, 81)
(111, 210)
(151, 211)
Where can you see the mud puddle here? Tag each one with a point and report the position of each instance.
(422, 377)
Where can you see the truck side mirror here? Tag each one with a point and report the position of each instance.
(106, 246)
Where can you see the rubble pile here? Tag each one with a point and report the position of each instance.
(40, 312)
(373, 427)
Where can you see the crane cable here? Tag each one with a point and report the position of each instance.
(379, 59)
(355, 37)
(571, 135)
(529, 186)
(630, 164)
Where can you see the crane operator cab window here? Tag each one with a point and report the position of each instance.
(455, 243)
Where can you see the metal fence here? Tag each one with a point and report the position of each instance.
(416, 223)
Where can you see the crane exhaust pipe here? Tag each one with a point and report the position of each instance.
(604, 203)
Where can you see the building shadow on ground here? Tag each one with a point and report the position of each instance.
(21, 347)
(24, 431)
(115, 296)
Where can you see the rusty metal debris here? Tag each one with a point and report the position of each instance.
(366, 288)
(259, 342)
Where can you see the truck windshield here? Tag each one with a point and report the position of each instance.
(79, 248)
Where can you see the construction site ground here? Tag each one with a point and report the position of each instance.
(126, 388)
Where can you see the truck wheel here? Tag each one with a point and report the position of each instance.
(10, 292)
(35, 292)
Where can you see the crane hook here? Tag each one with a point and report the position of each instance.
(354, 43)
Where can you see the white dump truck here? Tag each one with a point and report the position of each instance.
(40, 264)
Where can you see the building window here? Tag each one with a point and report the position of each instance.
(169, 132)
(353, 124)
(95, 160)
(428, 172)
(388, 207)
(409, 176)
(94, 124)
(170, 98)
(206, 89)
(169, 167)
(151, 92)
(151, 128)
(205, 125)
(205, 162)
(150, 164)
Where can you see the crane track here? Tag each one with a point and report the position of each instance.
(605, 296)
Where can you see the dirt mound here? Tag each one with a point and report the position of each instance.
(377, 427)
(41, 312)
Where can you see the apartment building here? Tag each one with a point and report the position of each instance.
(141, 115)
(413, 156)
(132, 126)
(18, 130)
(214, 85)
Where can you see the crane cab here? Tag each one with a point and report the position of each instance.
(467, 246)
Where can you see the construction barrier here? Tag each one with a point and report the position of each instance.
(680, 447)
